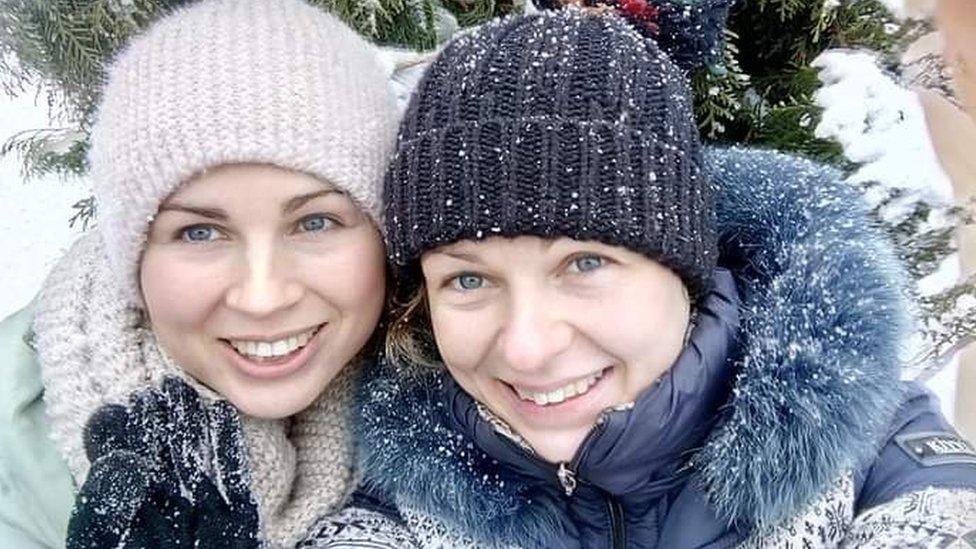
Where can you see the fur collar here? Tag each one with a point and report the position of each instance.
(815, 383)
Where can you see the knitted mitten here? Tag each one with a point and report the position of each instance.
(166, 471)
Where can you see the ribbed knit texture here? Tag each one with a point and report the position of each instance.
(231, 81)
(93, 351)
(554, 124)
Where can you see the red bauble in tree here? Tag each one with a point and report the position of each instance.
(640, 12)
(633, 8)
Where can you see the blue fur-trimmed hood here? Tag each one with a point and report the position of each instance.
(816, 379)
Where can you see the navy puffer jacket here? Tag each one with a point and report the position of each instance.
(782, 423)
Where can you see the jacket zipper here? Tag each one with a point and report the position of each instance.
(566, 471)
(567, 478)
(617, 531)
(566, 475)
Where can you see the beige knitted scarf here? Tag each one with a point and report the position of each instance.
(93, 350)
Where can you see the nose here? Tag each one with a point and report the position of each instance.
(534, 333)
(265, 281)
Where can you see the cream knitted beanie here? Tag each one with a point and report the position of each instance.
(231, 81)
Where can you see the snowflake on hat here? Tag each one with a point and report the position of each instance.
(692, 32)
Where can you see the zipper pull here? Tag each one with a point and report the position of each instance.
(567, 478)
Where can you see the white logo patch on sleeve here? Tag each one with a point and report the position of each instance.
(932, 448)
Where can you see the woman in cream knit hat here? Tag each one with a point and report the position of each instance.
(184, 375)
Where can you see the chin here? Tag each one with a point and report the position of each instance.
(558, 452)
(270, 406)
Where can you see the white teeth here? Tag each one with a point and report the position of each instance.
(582, 386)
(282, 347)
(576, 388)
(273, 349)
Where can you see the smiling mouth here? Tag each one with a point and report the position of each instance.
(270, 351)
(569, 391)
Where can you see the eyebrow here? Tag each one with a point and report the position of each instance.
(210, 213)
(468, 256)
(291, 205)
(296, 202)
(463, 256)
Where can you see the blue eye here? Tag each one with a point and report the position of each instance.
(468, 282)
(314, 223)
(199, 233)
(588, 263)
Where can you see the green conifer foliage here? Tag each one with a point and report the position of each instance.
(475, 12)
(63, 47)
(766, 95)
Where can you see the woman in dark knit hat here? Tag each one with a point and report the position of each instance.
(610, 337)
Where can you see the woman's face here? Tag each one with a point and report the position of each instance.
(549, 333)
(262, 283)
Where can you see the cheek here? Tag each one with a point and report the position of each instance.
(462, 337)
(178, 293)
(646, 331)
(463, 348)
(353, 278)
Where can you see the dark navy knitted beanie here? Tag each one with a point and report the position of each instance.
(561, 123)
